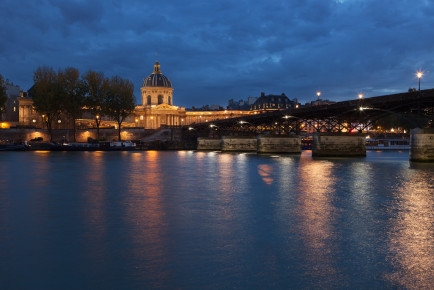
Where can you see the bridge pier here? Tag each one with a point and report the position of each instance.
(338, 145)
(277, 144)
(422, 145)
(204, 143)
(245, 144)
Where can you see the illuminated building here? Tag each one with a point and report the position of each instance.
(272, 102)
(156, 110)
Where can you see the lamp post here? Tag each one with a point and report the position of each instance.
(318, 127)
(419, 76)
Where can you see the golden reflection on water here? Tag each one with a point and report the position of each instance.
(317, 217)
(41, 169)
(226, 173)
(228, 207)
(411, 237)
(145, 213)
(266, 172)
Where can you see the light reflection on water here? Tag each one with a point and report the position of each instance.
(214, 220)
(411, 233)
(317, 221)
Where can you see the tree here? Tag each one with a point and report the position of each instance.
(96, 88)
(73, 91)
(47, 95)
(3, 97)
(120, 100)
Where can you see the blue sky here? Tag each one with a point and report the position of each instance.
(216, 50)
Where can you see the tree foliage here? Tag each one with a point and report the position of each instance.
(73, 90)
(96, 90)
(64, 92)
(120, 100)
(47, 95)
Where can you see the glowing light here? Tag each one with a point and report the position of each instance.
(318, 93)
(360, 96)
(419, 74)
(59, 121)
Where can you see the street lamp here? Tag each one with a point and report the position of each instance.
(419, 76)
(360, 96)
(318, 94)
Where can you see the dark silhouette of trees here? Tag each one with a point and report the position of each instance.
(64, 92)
(96, 90)
(73, 90)
(120, 100)
(47, 95)
(3, 97)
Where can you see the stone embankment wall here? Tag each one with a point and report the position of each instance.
(260, 144)
(338, 145)
(204, 143)
(287, 144)
(422, 145)
(21, 135)
(245, 144)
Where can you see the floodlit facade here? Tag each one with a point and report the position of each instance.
(157, 109)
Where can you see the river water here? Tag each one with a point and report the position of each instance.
(196, 220)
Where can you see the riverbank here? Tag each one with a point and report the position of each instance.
(96, 146)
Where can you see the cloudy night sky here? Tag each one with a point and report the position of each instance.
(213, 51)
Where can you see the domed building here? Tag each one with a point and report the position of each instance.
(156, 88)
(156, 111)
(157, 107)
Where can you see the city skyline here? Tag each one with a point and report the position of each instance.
(213, 52)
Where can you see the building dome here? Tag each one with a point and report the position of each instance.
(157, 79)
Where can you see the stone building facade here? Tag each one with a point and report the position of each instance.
(156, 110)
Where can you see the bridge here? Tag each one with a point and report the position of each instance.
(333, 127)
(414, 108)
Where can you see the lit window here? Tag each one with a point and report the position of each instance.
(15, 109)
(141, 117)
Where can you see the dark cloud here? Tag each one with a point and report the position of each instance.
(216, 50)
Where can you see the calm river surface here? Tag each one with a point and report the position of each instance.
(195, 220)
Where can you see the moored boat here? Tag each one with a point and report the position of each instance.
(387, 144)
